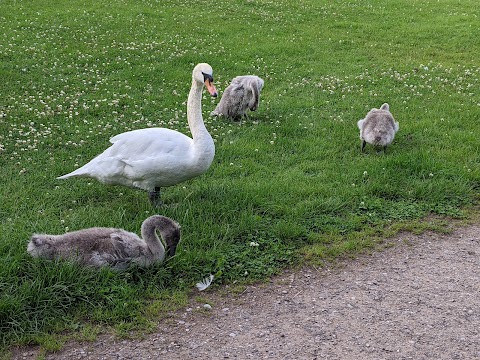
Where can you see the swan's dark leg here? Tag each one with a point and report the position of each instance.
(154, 197)
(363, 145)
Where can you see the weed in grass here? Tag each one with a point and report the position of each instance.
(87, 332)
(203, 300)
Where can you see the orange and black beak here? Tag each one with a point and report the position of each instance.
(209, 84)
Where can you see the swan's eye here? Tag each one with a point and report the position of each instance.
(207, 77)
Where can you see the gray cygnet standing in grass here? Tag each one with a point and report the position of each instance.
(243, 93)
(378, 128)
(112, 247)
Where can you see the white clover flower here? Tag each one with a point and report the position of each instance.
(365, 173)
(254, 243)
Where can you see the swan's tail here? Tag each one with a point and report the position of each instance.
(78, 172)
(89, 169)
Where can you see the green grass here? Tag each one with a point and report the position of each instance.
(290, 178)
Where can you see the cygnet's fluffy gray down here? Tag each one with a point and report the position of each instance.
(243, 93)
(116, 248)
(378, 128)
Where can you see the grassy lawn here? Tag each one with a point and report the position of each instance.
(291, 177)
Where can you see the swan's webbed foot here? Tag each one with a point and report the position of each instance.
(154, 197)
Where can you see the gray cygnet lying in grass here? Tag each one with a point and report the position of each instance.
(378, 128)
(112, 247)
(243, 93)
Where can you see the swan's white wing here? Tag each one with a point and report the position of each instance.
(205, 283)
(141, 151)
(142, 154)
(143, 143)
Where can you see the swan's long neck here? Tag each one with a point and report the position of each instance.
(200, 135)
(169, 231)
(150, 237)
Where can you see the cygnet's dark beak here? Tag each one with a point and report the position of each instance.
(172, 242)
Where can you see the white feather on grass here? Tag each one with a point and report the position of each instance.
(205, 283)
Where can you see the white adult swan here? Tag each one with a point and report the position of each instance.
(112, 247)
(156, 157)
(378, 128)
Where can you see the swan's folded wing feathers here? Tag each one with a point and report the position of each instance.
(238, 88)
(139, 155)
(143, 143)
(127, 244)
(166, 169)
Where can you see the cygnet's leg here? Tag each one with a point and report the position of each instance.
(363, 145)
(383, 148)
(236, 118)
(154, 197)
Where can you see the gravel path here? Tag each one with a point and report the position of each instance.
(416, 300)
